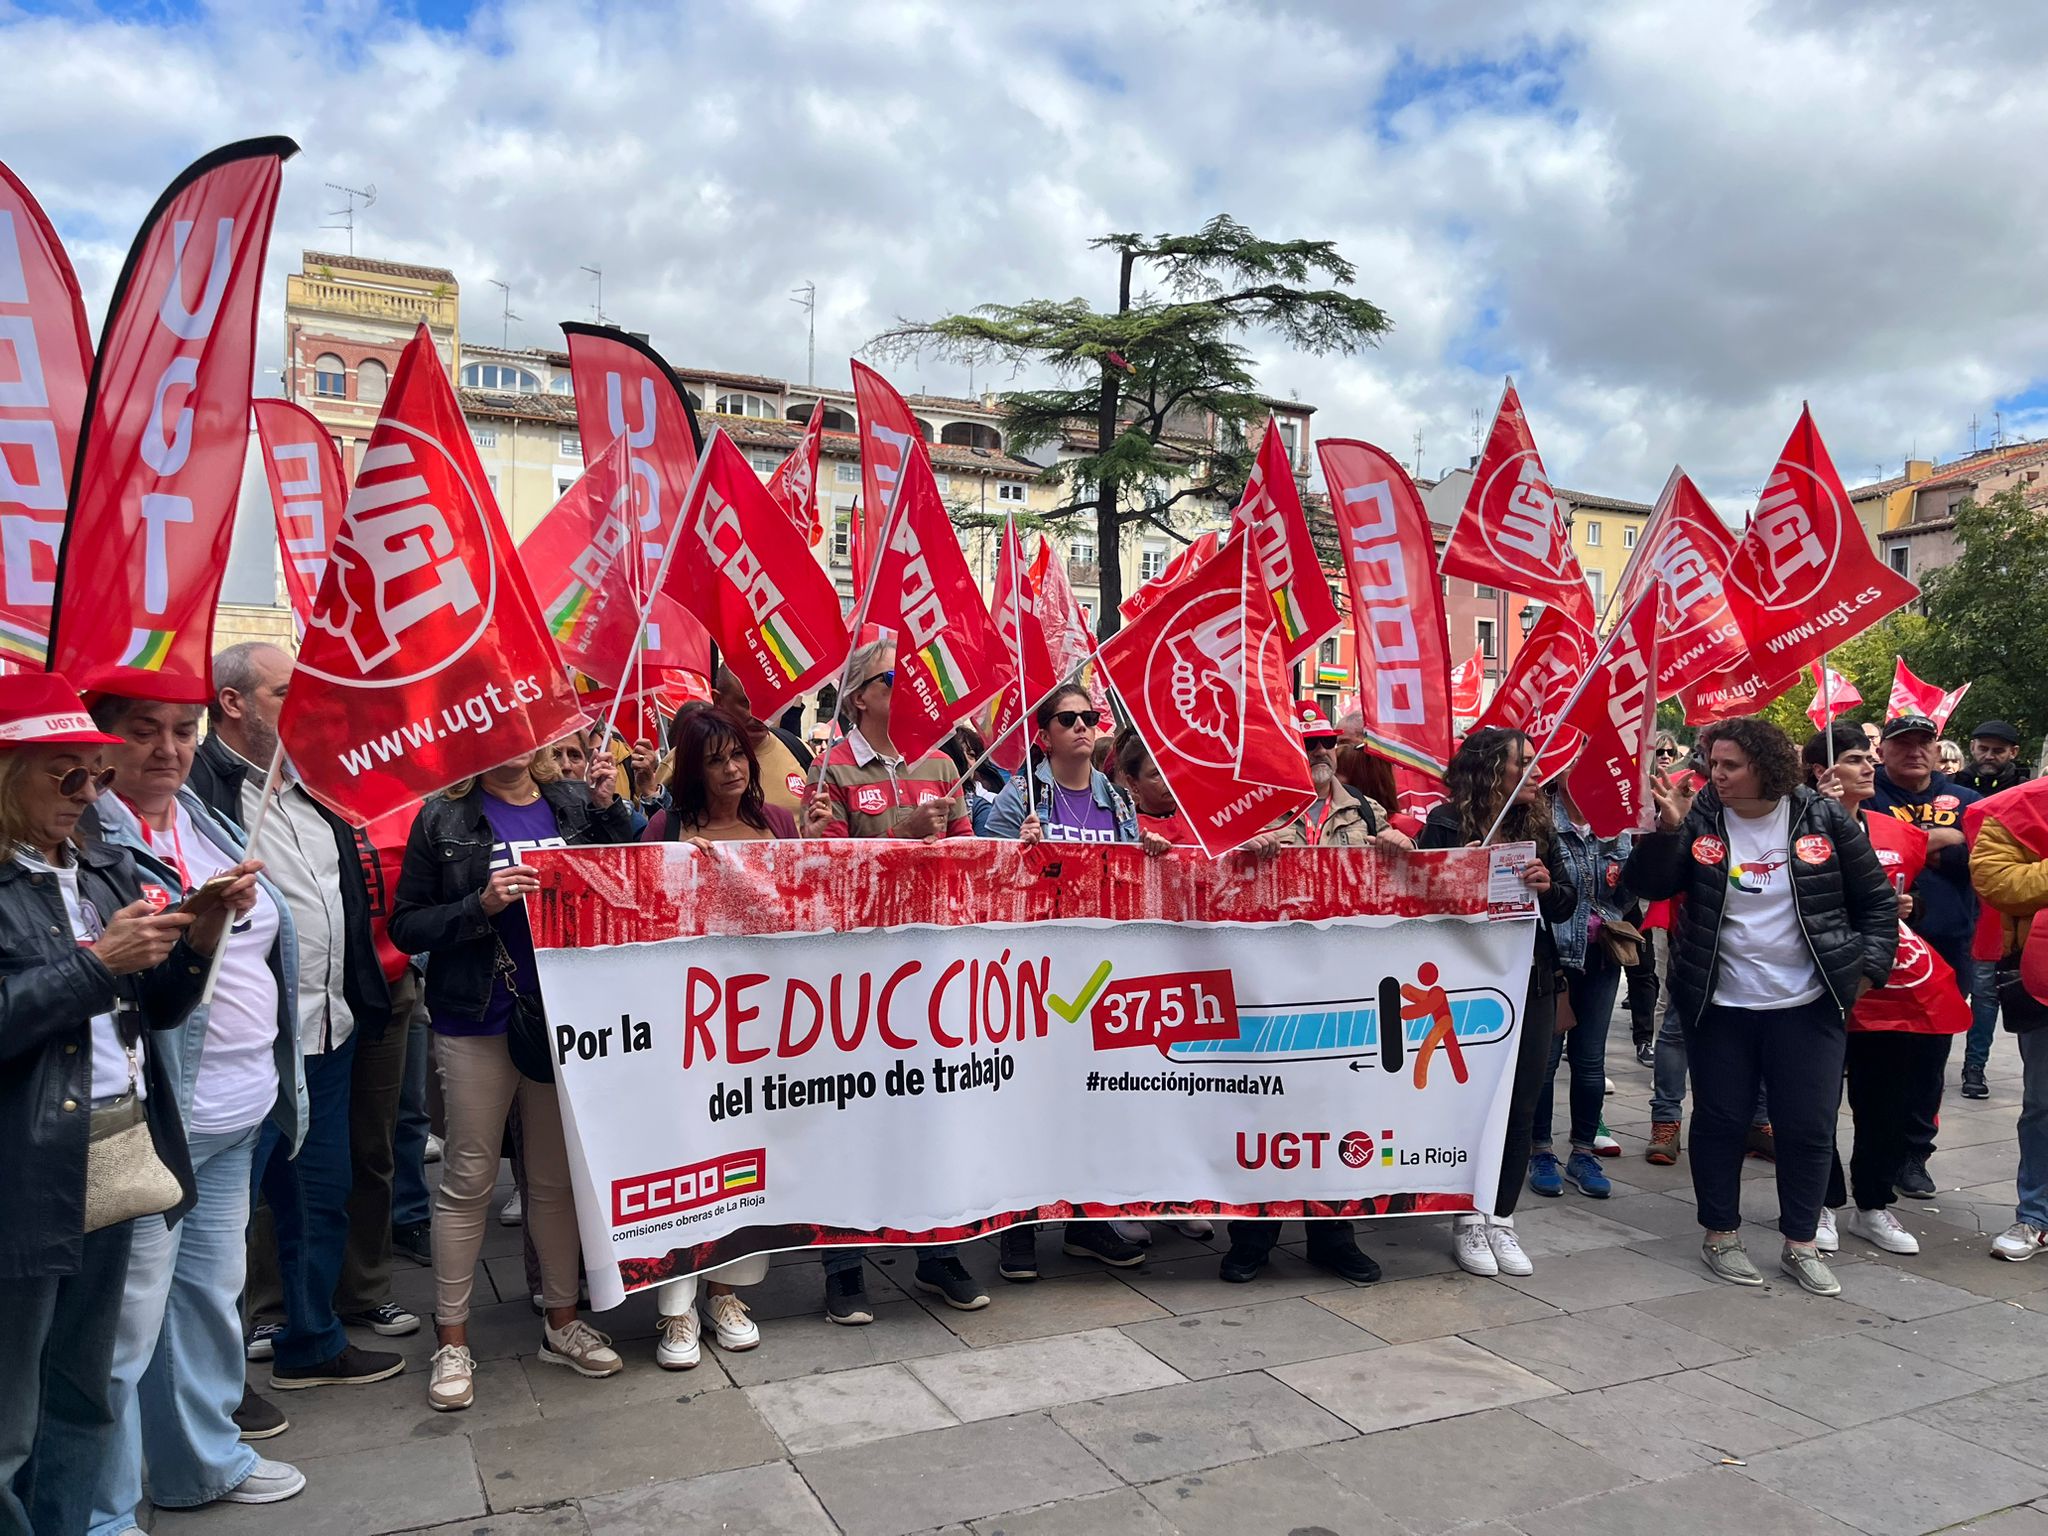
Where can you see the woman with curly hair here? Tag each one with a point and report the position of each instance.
(1787, 920)
(1492, 770)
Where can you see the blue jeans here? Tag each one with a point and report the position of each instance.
(2033, 1129)
(1592, 994)
(410, 1202)
(178, 1363)
(838, 1261)
(57, 1421)
(1983, 1014)
(308, 1197)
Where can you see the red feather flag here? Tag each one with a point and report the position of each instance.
(1282, 550)
(308, 492)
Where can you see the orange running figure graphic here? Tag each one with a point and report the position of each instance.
(1430, 1001)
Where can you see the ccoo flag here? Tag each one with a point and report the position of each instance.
(1615, 710)
(45, 359)
(425, 658)
(166, 433)
(1284, 554)
(579, 561)
(308, 492)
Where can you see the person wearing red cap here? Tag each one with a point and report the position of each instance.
(93, 962)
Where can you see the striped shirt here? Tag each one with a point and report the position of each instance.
(872, 794)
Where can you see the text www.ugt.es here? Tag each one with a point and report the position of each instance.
(479, 712)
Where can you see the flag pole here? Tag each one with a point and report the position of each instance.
(270, 782)
(1536, 756)
(1827, 704)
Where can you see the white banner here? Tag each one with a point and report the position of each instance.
(792, 1044)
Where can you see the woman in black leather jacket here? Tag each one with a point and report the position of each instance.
(1490, 766)
(1786, 920)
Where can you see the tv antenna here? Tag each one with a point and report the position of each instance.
(505, 331)
(806, 298)
(347, 214)
(597, 309)
(1418, 453)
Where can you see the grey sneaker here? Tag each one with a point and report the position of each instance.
(1729, 1261)
(268, 1482)
(1804, 1265)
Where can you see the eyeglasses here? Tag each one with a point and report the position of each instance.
(73, 780)
(886, 678)
(1073, 717)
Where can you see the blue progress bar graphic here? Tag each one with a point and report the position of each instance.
(1346, 1027)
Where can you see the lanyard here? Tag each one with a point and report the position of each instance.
(177, 843)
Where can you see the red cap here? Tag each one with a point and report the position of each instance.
(1310, 720)
(41, 708)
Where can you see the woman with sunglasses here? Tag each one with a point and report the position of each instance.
(92, 963)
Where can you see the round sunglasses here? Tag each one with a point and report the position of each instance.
(74, 780)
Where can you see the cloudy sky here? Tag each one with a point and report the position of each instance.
(1672, 222)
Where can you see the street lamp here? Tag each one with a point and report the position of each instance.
(1529, 615)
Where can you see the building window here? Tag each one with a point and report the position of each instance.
(1595, 580)
(1592, 535)
(924, 428)
(764, 463)
(1899, 558)
(563, 487)
(1010, 490)
(330, 379)
(1290, 438)
(1487, 646)
(1081, 552)
(738, 404)
(571, 446)
(371, 379)
(844, 473)
(485, 437)
(1484, 594)
(1326, 653)
(501, 376)
(945, 484)
(972, 434)
(1151, 561)
(842, 528)
(562, 384)
(493, 479)
(1628, 537)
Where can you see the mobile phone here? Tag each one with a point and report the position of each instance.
(206, 899)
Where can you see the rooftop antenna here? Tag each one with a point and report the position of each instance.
(1998, 429)
(347, 214)
(1973, 431)
(1418, 453)
(505, 331)
(597, 309)
(807, 298)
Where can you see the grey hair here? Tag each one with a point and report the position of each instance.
(110, 711)
(235, 668)
(857, 672)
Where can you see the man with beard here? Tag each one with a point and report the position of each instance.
(1338, 819)
(785, 761)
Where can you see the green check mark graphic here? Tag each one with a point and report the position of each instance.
(1071, 1012)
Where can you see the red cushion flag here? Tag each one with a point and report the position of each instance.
(1015, 610)
(949, 658)
(580, 562)
(45, 359)
(1512, 532)
(1803, 578)
(1538, 684)
(745, 572)
(1397, 612)
(1270, 511)
(1685, 549)
(308, 491)
(166, 433)
(425, 658)
(1616, 711)
(794, 482)
(1910, 696)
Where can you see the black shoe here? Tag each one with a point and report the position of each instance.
(1646, 1053)
(1912, 1181)
(948, 1277)
(1974, 1086)
(258, 1418)
(846, 1297)
(390, 1320)
(351, 1368)
(1761, 1142)
(1017, 1254)
(1242, 1264)
(1098, 1240)
(413, 1241)
(1340, 1255)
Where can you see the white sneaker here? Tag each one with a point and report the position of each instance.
(1610, 1085)
(730, 1324)
(432, 1154)
(1605, 1144)
(1883, 1229)
(268, 1482)
(1825, 1237)
(581, 1348)
(448, 1379)
(1507, 1248)
(1133, 1232)
(512, 1212)
(2019, 1242)
(1470, 1247)
(677, 1347)
(1199, 1230)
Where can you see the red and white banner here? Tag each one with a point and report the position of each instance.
(625, 389)
(1684, 550)
(747, 575)
(1064, 622)
(1616, 712)
(1803, 578)
(1397, 609)
(425, 659)
(1833, 694)
(1202, 680)
(1730, 692)
(949, 657)
(1512, 532)
(1282, 551)
(1188, 559)
(1921, 995)
(166, 433)
(45, 360)
(1468, 687)
(756, 1052)
(794, 484)
(1015, 608)
(308, 491)
(1910, 696)
(580, 562)
(1538, 685)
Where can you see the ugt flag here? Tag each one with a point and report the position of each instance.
(1833, 694)
(1685, 551)
(1030, 675)
(1270, 511)
(166, 431)
(1615, 710)
(308, 492)
(1538, 685)
(425, 659)
(1910, 696)
(1468, 683)
(45, 357)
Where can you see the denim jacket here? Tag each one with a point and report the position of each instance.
(183, 1048)
(1007, 811)
(1595, 865)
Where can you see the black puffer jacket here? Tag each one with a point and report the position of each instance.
(439, 908)
(1444, 829)
(1846, 908)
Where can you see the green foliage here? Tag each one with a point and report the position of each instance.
(1985, 616)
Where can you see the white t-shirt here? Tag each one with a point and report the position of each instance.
(237, 1082)
(109, 1060)
(1765, 962)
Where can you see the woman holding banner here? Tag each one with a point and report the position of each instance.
(459, 901)
(1492, 779)
(1787, 921)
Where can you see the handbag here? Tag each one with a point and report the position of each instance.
(1623, 941)
(526, 1034)
(124, 1178)
(2022, 1011)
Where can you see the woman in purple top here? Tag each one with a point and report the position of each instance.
(460, 902)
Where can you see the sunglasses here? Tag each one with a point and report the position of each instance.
(73, 781)
(886, 678)
(1667, 751)
(1073, 717)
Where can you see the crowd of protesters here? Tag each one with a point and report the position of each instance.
(222, 1077)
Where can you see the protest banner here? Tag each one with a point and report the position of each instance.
(308, 492)
(47, 354)
(1910, 696)
(166, 432)
(796, 1044)
(1282, 550)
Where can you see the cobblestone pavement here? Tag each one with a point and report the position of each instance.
(1618, 1390)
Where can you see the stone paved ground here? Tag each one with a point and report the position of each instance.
(1617, 1391)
